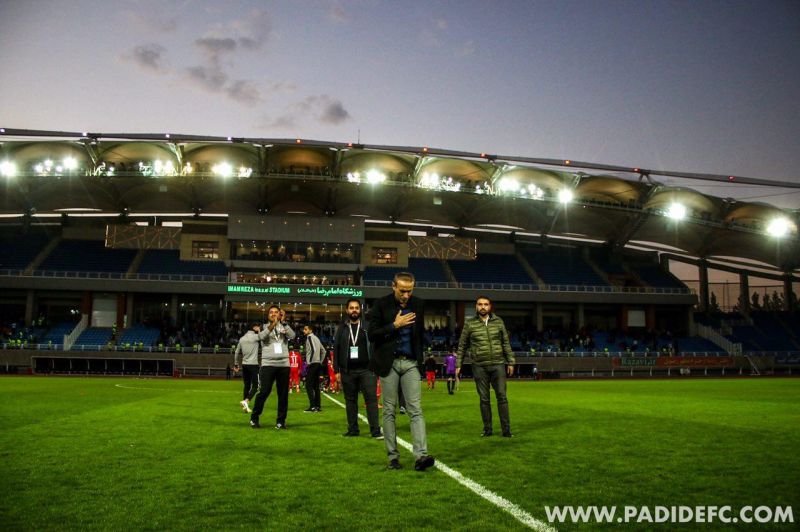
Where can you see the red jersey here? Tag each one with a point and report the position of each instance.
(294, 359)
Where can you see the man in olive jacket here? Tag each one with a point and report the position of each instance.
(486, 340)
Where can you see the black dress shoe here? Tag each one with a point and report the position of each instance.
(394, 464)
(424, 462)
(280, 426)
(508, 434)
(486, 433)
(350, 433)
(254, 424)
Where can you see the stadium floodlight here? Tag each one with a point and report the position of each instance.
(187, 168)
(779, 227)
(508, 184)
(70, 163)
(375, 177)
(353, 177)
(565, 195)
(429, 180)
(224, 170)
(8, 169)
(676, 211)
(244, 171)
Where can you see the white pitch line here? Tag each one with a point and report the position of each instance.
(168, 389)
(504, 504)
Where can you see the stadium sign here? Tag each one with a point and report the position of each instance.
(674, 361)
(314, 291)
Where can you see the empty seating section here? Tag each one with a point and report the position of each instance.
(424, 270)
(168, 261)
(653, 275)
(563, 267)
(55, 335)
(93, 337)
(139, 334)
(19, 253)
(490, 269)
(88, 256)
(766, 334)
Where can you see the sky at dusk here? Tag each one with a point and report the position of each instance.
(699, 86)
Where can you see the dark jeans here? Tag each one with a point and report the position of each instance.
(496, 377)
(250, 379)
(267, 377)
(365, 381)
(312, 384)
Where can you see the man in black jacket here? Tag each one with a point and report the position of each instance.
(351, 363)
(396, 324)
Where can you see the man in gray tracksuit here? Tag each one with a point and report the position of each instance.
(274, 367)
(315, 354)
(249, 348)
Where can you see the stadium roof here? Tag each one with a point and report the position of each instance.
(455, 192)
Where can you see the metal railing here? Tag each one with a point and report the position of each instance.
(542, 288)
(56, 274)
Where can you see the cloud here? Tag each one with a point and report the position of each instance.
(244, 91)
(152, 21)
(208, 77)
(468, 48)
(213, 47)
(337, 14)
(149, 57)
(334, 112)
(322, 108)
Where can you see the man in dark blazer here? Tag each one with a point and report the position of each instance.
(396, 328)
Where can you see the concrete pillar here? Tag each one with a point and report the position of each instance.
(173, 310)
(623, 318)
(129, 310)
(690, 324)
(744, 294)
(86, 303)
(787, 293)
(539, 310)
(702, 269)
(581, 319)
(650, 318)
(30, 300)
(121, 304)
(451, 322)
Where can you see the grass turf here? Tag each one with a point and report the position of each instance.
(102, 453)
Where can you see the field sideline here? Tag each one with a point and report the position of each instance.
(102, 453)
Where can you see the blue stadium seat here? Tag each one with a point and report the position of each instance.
(88, 256)
(490, 268)
(168, 261)
(563, 267)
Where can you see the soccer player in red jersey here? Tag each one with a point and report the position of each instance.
(294, 371)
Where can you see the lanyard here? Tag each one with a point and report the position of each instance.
(354, 339)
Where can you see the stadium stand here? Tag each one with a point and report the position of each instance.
(139, 335)
(424, 270)
(88, 256)
(490, 268)
(56, 333)
(20, 252)
(653, 275)
(168, 261)
(93, 337)
(563, 267)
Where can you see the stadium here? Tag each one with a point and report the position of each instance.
(132, 264)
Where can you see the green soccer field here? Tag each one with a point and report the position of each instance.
(116, 453)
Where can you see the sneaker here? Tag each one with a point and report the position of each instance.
(376, 435)
(424, 462)
(486, 433)
(309, 409)
(402, 410)
(508, 434)
(254, 424)
(394, 463)
(245, 406)
(317, 409)
(350, 433)
(280, 426)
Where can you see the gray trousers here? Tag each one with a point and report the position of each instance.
(404, 375)
(496, 377)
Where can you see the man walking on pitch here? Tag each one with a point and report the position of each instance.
(249, 348)
(351, 362)
(274, 368)
(450, 372)
(486, 340)
(395, 329)
(315, 353)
